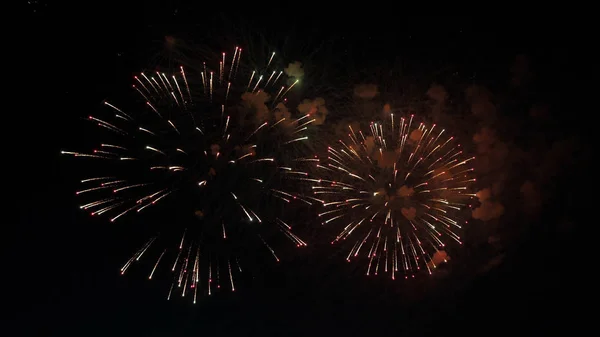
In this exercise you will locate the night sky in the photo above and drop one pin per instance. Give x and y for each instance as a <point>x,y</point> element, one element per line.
<point>65,265</point>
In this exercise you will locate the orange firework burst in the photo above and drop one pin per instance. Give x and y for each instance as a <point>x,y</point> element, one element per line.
<point>400,191</point>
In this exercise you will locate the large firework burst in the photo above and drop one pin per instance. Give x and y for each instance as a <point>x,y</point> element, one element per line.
<point>195,142</point>
<point>399,191</point>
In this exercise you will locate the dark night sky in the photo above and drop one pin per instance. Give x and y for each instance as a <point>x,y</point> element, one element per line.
<point>66,264</point>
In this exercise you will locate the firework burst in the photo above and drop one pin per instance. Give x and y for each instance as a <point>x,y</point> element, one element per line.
<point>211,143</point>
<point>400,192</point>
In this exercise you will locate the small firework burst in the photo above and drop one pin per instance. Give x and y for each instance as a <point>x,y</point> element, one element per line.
<point>400,192</point>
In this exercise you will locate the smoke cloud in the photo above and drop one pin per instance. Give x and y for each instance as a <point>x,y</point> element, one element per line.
<point>366,91</point>
<point>256,102</point>
<point>437,94</point>
<point>370,144</point>
<point>480,100</point>
<point>409,213</point>
<point>491,153</point>
<point>415,135</point>
<point>489,208</point>
<point>387,109</point>
<point>214,149</point>
<point>405,191</point>
<point>385,158</point>
<point>438,258</point>
<point>315,108</point>
<point>294,70</point>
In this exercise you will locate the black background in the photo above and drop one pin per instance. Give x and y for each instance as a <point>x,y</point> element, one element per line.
<point>64,265</point>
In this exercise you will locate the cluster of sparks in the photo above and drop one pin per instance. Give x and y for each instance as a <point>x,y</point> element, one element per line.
<point>174,145</point>
<point>400,192</point>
